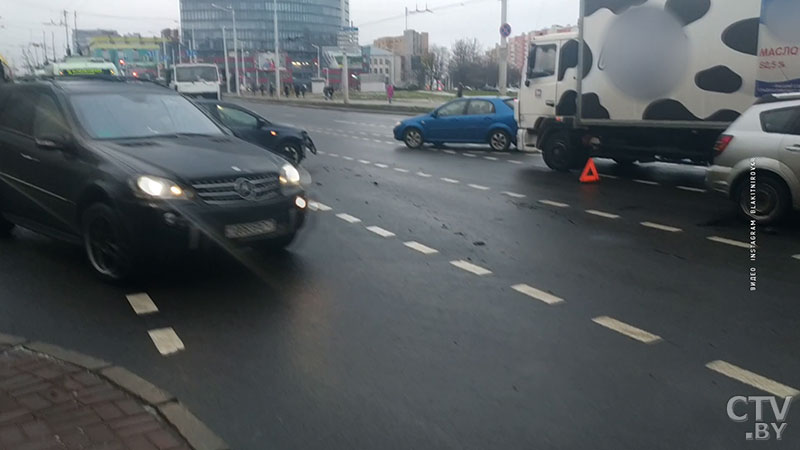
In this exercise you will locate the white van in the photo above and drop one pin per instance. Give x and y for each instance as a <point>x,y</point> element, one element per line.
<point>195,80</point>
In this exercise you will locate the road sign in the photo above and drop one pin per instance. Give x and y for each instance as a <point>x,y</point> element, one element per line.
<point>505,30</point>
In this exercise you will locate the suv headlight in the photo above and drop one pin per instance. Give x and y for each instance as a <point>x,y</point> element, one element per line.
<point>156,187</point>
<point>290,176</point>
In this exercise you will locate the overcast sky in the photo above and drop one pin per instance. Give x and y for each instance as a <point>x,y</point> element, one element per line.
<point>21,20</point>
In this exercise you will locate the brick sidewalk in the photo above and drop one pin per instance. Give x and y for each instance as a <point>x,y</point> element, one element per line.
<point>48,404</point>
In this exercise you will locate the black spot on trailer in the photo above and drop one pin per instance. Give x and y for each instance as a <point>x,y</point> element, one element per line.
<point>742,36</point>
<point>569,58</point>
<point>568,104</point>
<point>724,115</point>
<point>616,6</point>
<point>668,109</point>
<point>688,11</point>
<point>718,79</point>
<point>592,109</point>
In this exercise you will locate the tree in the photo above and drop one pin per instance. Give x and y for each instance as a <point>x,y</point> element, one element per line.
<point>435,63</point>
<point>465,62</point>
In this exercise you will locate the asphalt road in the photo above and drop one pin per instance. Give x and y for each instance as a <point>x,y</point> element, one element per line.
<point>497,305</point>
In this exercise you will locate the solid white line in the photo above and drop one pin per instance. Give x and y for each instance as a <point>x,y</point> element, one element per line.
<point>401,170</point>
<point>472,268</point>
<point>450,152</point>
<point>449,180</point>
<point>651,183</point>
<point>364,161</point>
<point>594,212</point>
<point>514,194</point>
<point>658,226</point>
<point>424,175</point>
<point>628,330</point>
<point>380,231</point>
<point>348,218</point>
<point>142,304</point>
<point>530,291</point>
<point>166,341</point>
<point>317,206</point>
<point>424,249</point>
<point>723,240</point>
<point>478,187</point>
<point>348,158</point>
<point>691,189</point>
<point>490,158</point>
<point>752,379</point>
<point>552,203</point>
<point>382,166</point>
<point>514,161</point>
<point>612,177</point>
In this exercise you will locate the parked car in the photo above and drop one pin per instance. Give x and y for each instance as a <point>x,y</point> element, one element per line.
<point>466,120</point>
<point>131,169</point>
<point>757,160</point>
<point>286,141</point>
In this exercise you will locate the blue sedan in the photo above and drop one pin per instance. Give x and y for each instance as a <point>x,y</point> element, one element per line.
<point>475,120</point>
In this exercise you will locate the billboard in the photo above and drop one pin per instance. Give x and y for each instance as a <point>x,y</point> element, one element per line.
<point>779,48</point>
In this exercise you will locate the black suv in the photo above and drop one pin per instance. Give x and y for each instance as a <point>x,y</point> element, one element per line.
<point>131,169</point>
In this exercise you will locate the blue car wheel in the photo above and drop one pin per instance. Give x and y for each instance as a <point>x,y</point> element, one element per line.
<point>413,138</point>
<point>499,140</point>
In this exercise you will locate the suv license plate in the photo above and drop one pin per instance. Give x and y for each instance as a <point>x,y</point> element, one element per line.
<point>246,230</point>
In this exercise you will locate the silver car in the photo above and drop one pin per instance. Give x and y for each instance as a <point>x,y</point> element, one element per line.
<point>757,160</point>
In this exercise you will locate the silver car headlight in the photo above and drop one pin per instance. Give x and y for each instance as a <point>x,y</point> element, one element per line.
<point>290,176</point>
<point>157,187</point>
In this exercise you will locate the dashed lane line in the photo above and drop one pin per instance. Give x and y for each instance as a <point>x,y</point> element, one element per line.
<point>514,161</point>
<point>142,304</point>
<point>797,257</point>
<point>424,249</point>
<point>479,187</point>
<point>166,341</point>
<point>731,242</point>
<point>333,155</point>
<point>472,268</point>
<point>348,218</point>
<point>648,182</point>
<point>542,296</point>
<point>424,175</point>
<point>381,232</point>
<point>347,158</point>
<point>658,226</point>
<point>692,189</point>
<point>321,152</point>
<point>595,212</point>
<point>400,169</point>
<point>450,152</point>
<point>382,166</point>
<point>611,177</point>
<point>626,329</point>
<point>752,379</point>
<point>552,203</point>
<point>450,180</point>
<point>364,161</point>
<point>490,158</point>
<point>317,206</point>
<point>377,141</point>
<point>513,194</point>
<point>469,155</point>
<point>389,142</point>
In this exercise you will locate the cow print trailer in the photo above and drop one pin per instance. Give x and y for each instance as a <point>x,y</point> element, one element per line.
<point>664,60</point>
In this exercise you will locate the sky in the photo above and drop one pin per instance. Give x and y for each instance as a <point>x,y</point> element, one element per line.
<point>22,21</point>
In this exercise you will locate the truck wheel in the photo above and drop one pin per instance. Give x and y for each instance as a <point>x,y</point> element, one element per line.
<point>5,227</point>
<point>413,138</point>
<point>499,141</point>
<point>106,243</point>
<point>558,152</point>
<point>772,198</point>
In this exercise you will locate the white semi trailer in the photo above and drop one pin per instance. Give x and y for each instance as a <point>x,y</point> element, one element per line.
<point>655,79</point>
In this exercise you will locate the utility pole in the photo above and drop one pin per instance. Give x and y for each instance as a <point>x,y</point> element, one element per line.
<point>194,47</point>
<point>66,33</point>
<point>277,49</point>
<point>345,63</point>
<point>75,48</point>
<point>235,54</point>
<point>44,46</point>
<point>53,42</point>
<point>319,61</point>
<point>225,53</point>
<point>503,56</point>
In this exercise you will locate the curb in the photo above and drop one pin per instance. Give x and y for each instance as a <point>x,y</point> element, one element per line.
<point>400,110</point>
<point>196,433</point>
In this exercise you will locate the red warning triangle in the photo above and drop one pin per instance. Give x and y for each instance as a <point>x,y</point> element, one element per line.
<point>589,174</point>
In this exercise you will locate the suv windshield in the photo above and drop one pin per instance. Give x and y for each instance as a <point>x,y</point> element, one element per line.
<point>136,115</point>
<point>197,73</point>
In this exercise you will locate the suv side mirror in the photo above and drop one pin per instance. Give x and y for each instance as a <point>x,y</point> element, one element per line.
<point>435,114</point>
<point>53,142</point>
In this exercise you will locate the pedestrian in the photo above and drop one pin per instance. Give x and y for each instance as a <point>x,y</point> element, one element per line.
<point>286,90</point>
<point>389,92</point>
<point>271,90</point>
<point>303,90</point>
<point>460,90</point>
<point>261,88</point>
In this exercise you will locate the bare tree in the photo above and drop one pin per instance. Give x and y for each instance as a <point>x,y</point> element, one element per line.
<point>465,62</point>
<point>435,63</point>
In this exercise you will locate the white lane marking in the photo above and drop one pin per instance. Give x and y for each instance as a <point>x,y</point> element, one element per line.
<point>691,189</point>
<point>531,291</point>
<point>401,170</point>
<point>166,341</point>
<point>424,249</point>
<point>424,175</point>
<point>382,166</point>
<point>317,206</point>
<point>320,152</point>
<point>595,212</point>
<point>348,158</point>
<point>472,268</point>
<point>612,177</point>
<point>364,161</point>
<point>333,155</point>
<point>469,155</point>
<point>752,379</point>
<point>389,142</point>
<point>142,304</point>
<point>514,161</point>
<point>449,180</point>
<point>552,203</point>
<point>348,218</point>
<point>514,194</point>
<point>450,152</point>
<point>796,257</point>
<point>648,182</point>
<point>490,158</point>
<point>628,330</point>
<point>380,231</point>
<point>658,226</point>
<point>723,240</point>
<point>377,141</point>
<point>478,187</point>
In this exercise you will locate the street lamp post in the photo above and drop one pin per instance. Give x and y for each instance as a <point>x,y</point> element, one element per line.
<point>277,49</point>
<point>225,53</point>
<point>319,60</point>
<point>503,56</point>
<point>235,44</point>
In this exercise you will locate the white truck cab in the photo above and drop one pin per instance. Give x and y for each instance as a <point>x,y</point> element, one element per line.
<point>195,80</point>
